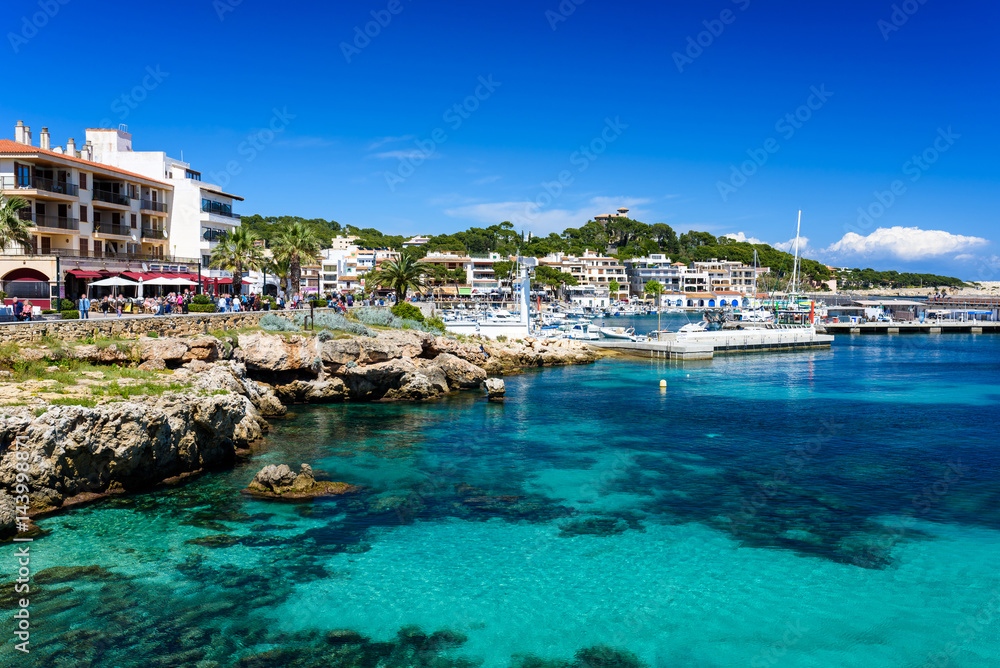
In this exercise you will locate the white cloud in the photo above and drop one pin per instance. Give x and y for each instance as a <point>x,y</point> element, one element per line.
<point>527,215</point>
<point>486,179</point>
<point>739,236</point>
<point>789,246</point>
<point>406,154</point>
<point>382,141</point>
<point>904,243</point>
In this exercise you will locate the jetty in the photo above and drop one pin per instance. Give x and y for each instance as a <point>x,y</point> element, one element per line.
<point>669,346</point>
<point>912,327</point>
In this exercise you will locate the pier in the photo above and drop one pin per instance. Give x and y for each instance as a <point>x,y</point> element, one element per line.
<point>913,327</point>
<point>705,349</point>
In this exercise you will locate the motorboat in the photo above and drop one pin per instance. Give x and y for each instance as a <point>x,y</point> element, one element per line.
<point>579,331</point>
<point>627,333</point>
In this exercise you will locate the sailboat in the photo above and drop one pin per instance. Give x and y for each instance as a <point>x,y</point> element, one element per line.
<point>756,312</point>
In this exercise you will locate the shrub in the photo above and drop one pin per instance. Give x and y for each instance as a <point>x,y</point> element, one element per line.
<point>435,324</point>
<point>66,305</point>
<point>376,317</point>
<point>201,308</point>
<point>49,311</point>
<point>70,314</point>
<point>318,303</point>
<point>327,320</point>
<point>275,323</point>
<point>407,311</point>
<point>201,299</point>
<point>152,335</point>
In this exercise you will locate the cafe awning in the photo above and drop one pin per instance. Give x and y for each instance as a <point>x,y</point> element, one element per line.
<point>465,291</point>
<point>80,273</point>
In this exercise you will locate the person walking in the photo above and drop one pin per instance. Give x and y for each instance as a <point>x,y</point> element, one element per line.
<point>84,306</point>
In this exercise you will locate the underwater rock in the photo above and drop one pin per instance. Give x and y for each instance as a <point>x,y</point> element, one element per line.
<point>217,541</point>
<point>594,526</point>
<point>69,573</point>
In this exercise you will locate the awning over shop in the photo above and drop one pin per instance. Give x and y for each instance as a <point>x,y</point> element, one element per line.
<point>465,291</point>
<point>80,273</point>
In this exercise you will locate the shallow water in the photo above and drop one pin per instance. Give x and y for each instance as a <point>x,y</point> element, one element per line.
<point>831,508</point>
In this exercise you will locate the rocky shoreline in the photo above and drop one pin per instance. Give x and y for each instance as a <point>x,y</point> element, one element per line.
<point>78,453</point>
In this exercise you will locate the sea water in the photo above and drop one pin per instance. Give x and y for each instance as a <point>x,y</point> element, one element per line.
<point>822,508</point>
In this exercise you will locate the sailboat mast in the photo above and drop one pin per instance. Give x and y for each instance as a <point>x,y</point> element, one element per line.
<point>795,262</point>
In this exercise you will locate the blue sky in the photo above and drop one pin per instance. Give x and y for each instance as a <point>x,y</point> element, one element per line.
<point>679,111</point>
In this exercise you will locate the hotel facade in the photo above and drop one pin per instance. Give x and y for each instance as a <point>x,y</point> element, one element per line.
<point>101,209</point>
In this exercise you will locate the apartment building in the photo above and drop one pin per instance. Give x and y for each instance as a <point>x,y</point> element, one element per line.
<point>730,274</point>
<point>201,214</point>
<point>480,278</point>
<point>90,219</point>
<point>343,270</point>
<point>593,269</point>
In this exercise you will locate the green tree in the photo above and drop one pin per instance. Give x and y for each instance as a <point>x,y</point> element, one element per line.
<point>14,230</point>
<point>401,275</point>
<point>237,253</point>
<point>551,277</point>
<point>504,271</point>
<point>298,244</point>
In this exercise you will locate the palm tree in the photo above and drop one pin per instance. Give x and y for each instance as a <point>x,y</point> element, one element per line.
<point>280,268</point>
<point>295,243</point>
<point>401,275</point>
<point>237,253</point>
<point>14,230</point>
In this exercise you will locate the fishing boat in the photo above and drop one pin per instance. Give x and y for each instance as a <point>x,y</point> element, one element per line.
<point>579,331</point>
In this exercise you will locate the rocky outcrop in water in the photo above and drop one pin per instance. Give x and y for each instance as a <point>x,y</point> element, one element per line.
<point>76,453</point>
<point>279,482</point>
<point>402,365</point>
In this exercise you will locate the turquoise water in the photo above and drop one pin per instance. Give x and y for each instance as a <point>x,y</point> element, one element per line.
<point>832,508</point>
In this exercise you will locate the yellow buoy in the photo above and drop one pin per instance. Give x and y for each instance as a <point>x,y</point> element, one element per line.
<point>663,383</point>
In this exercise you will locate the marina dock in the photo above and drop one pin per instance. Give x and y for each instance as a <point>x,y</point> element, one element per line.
<point>670,347</point>
<point>912,327</point>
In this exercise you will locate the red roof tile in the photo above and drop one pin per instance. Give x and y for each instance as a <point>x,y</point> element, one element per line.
<point>8,146</point>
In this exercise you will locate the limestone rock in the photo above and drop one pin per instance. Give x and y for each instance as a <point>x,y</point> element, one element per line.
<point>272,477</point>
<point>8,515</point>
<point>153,365</point>
<point>170,350</point>
<point>273,353</point>
<point>127,445</point>
<point>461,374</point>
<point>278,482</point>
<point>204,348</point>
<point>495,389</point>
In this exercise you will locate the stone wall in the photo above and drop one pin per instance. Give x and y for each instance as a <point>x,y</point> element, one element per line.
<point>132,327</point>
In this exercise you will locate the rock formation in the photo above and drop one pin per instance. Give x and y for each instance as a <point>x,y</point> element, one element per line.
<point>278,482</point>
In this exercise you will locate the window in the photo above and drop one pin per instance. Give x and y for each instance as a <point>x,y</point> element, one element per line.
<point>23,175</point>
<point>133,221</point>
<point>83,214</point>
<point>84,246</point>
<point>191,174</point>
<point>83,181</point>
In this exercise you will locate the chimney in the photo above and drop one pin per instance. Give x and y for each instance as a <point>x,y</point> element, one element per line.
<point>44,139</point>
<point>71,147</point>
<point>19,132</point>
<point>27,135</point>
<point>88,151</point>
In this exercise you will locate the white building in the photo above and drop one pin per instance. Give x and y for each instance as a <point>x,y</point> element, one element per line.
<point>200,213</point>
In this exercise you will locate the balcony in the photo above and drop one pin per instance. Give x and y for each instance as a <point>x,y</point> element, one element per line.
<point>153,233</point>
<point>219,210</point>
<point>56,222</point>
<point>210,234</point>
<point>111,198</point>
<point>40,183</point>
<point>102,255</point>
<point>150,205</point>
<point>111,228</point>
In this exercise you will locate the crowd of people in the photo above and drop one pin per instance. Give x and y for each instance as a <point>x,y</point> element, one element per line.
<point>179,302</point>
